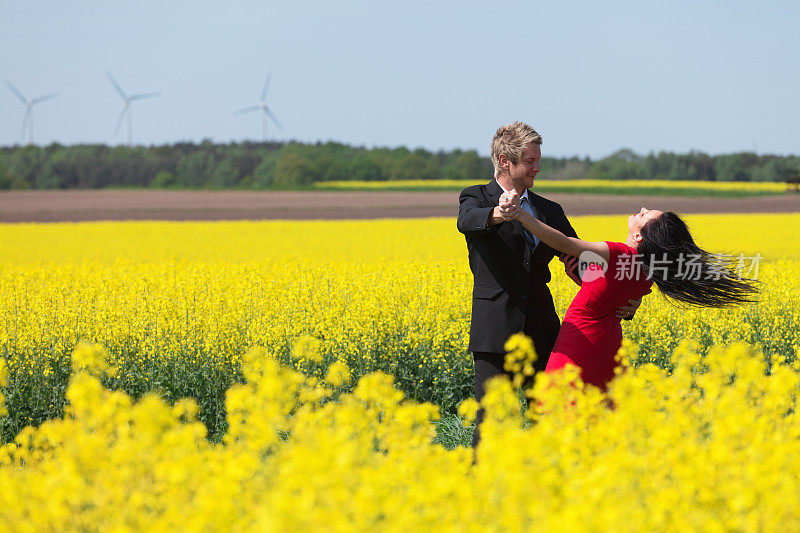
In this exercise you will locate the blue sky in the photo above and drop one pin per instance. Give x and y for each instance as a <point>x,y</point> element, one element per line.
<point>591,77</point>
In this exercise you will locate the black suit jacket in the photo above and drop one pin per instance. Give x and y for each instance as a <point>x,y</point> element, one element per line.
<point>507,274</point>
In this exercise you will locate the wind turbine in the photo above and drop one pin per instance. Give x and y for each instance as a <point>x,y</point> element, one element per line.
<point>262,106</point>
<point>27,124</point>
<point>126,106</point>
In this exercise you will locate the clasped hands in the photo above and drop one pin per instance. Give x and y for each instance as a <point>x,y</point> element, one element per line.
<point>509,208</point>
<point>510,205</point>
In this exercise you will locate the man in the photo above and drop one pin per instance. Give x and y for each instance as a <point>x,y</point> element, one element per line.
<point>509,265</point>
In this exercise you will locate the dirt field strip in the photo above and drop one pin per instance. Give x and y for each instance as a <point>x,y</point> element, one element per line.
<point>89,205</point>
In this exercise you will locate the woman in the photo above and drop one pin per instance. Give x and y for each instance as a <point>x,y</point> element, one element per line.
<point>658,249</point>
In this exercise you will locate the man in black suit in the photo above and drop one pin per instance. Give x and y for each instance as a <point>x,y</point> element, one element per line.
<point>509,264</point>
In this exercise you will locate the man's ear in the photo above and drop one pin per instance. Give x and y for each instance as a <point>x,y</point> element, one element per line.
<point>504,162</point>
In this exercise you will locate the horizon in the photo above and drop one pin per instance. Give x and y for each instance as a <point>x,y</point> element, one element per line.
<point>410,148</point>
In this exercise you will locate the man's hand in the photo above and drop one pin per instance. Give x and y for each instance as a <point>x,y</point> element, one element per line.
<point>510,205</point>
<point>511,197</point>
<point>506,210</point>
<point>628,311</point>
<point>571,267</point>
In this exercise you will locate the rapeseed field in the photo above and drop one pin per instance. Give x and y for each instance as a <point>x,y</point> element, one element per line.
<point>284,375</point>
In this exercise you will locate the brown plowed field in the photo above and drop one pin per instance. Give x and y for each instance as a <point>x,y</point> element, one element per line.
<point>84,205</point>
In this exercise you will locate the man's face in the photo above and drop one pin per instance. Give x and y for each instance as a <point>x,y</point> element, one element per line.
<point>523,172</point>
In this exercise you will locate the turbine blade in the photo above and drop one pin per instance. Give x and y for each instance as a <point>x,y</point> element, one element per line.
<point>266,86</point>
<point>121,118</point>
<point>15,91</point>
<point>116,85</point>
<point>44,98</point>
<point>246,110</point>
<point>274,118</point>
<point>143,96</point>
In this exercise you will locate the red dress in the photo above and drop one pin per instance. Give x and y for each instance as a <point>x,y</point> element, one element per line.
<point>591,333</point>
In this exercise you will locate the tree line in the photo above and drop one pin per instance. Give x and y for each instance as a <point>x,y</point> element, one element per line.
<point>296,165</point>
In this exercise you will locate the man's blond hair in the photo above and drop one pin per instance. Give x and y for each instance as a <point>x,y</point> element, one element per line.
<point>511,140</point>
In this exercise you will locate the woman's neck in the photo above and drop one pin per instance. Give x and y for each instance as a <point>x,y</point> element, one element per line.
<point>630,241</point>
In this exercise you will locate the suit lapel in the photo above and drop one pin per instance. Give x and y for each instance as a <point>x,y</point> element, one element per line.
<point>494,190</point>
<point>538,205</point>
<point>542,214</point>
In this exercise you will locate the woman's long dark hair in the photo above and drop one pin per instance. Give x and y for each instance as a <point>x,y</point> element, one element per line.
<point>685,272</point>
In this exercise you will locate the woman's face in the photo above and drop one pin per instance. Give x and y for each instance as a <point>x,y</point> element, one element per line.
<point>636,221</point>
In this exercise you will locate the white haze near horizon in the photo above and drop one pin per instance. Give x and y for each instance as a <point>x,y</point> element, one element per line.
<point>591,77</point>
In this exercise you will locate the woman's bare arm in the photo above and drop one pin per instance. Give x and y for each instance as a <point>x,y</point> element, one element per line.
<point>511,209</point>
<point>558,241</point>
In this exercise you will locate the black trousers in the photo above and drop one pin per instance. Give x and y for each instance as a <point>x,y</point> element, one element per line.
<point>542,326</point>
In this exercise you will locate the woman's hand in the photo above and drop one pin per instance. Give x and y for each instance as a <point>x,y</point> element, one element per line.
<point>510,205</point>
<point>510,197</point>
